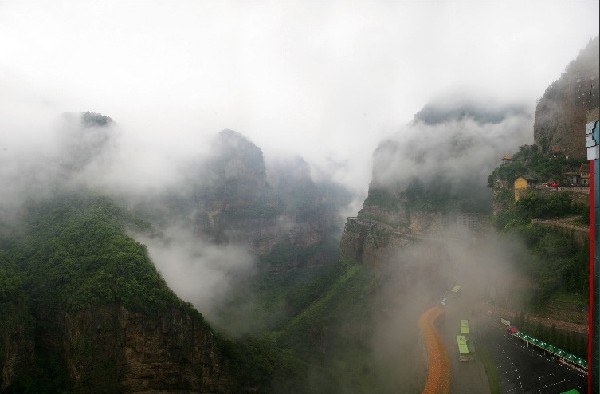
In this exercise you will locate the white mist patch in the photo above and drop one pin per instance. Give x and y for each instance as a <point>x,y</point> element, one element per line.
<point>204,274</point>
<point>458,149</point>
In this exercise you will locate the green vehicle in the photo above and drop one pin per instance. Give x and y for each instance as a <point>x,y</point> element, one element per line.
<point>464,327</point>
<point>463,350</point>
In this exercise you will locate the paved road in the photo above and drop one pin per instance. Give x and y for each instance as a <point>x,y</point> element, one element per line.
<point>525,369</point>
<point>467,377</point>
<point>521,369</point>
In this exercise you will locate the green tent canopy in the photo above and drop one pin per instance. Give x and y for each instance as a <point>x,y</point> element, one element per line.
<point>553,349</point>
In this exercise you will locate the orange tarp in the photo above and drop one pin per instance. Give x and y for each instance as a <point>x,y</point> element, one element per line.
<point>438,374</point>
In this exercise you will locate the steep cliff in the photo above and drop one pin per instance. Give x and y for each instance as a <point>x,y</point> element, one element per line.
<point>371,242</point>
<point>110,348</point>
<point>237,199</point>
<point>552,221</point>
<point>560,115</point>
<point>232,197</point>
<point>16,325</point>
<point>83,309</point>
<point>430,177</point>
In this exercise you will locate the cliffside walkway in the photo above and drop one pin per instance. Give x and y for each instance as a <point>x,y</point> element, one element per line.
<point>564,223</point>
<point>573,189</point>
<point>404,234</point>
<point>438,374</point>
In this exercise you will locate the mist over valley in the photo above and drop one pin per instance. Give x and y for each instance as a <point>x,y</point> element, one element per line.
<point>295,198</point>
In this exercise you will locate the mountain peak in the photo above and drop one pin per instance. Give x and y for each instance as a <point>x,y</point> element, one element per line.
<point>95,119</point>
<point>480,111</point>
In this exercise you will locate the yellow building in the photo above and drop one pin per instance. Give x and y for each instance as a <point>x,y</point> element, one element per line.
<point>506,159</point>
<point>521,184</point>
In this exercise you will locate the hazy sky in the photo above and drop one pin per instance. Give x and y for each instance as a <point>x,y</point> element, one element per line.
<point>324,79</point>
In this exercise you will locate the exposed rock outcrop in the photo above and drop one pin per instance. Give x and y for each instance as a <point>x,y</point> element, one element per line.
<point>83,309</point>
<point>119,350</point>
<point>560,115</point>
<point>239,204</point>
<point>111,349</point>
<point>16,343</point>
<point>369,241</point>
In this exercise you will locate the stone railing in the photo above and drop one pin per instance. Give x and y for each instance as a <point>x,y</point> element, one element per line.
<point>557,223</point>
<point>575,189</point>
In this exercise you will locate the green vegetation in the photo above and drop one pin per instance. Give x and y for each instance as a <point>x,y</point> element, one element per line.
<point>322,342</point>
<point>572,342</point>
<point>316,308</point>
<point>558,260</point>
<point>72,255</point>
<point>381,198</point>
<point>10,280</point>
<point>537,205</point>
<point>377,237</point>
<point>445,195</point>
<point>557,264</point>
<point>532,162</point>
<point>438,194</point>
<point>318,326</point>
<point>299,288</point>
<point>259,365</point>
<point>557,204</point>
<point>67,255</point>
<point>76,254</point>
<point>333,339</point>
<point>284,287</point>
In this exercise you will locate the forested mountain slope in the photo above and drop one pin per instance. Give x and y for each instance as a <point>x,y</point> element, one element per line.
<point>84,309</point>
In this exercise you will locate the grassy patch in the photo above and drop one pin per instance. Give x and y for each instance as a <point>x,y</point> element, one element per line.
<point>576,299</point>
<point>319,304</point>
<point>490,370</point>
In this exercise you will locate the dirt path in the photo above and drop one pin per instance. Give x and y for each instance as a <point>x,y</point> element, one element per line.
<point>438,375</point>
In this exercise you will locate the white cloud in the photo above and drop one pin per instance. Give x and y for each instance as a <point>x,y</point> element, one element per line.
<point>325,80</point>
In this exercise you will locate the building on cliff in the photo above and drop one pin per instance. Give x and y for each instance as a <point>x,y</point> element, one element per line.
<point>579,178</point>
<point>521,184</point>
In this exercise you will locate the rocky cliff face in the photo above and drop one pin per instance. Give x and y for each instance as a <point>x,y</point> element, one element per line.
<point>111,349</point>
<point>240,204</point>
<point>119,350</point>
<point>370,240</point>
<point>16,326</point>
<point>83,309</point>
<point>16,344</point>
<point>560,115</point>
<point>422,186</point>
